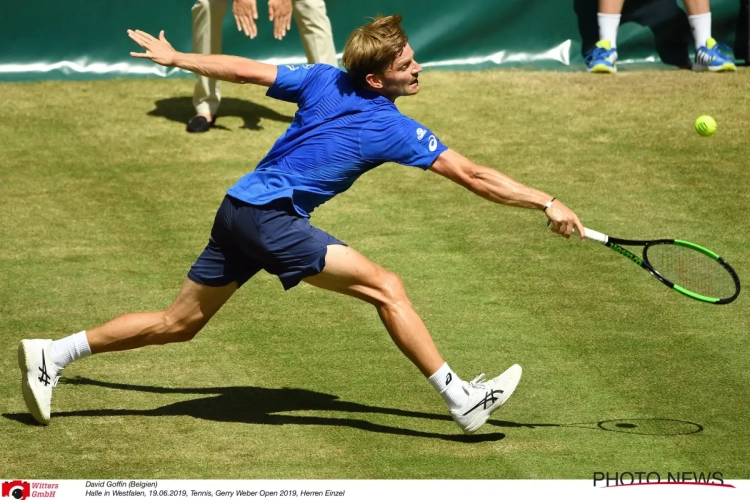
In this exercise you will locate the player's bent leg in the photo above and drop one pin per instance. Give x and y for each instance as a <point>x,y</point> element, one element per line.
<point>193,307</point>
<point>349,272</point>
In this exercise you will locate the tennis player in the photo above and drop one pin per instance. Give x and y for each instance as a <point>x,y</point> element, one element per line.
<point>346,124</point>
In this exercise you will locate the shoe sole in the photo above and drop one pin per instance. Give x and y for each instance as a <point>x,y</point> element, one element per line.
<point>481,418</point>
<point>602,69</point>
<point>720,69</point>
<point>724,67</point>
<point>28,394</point>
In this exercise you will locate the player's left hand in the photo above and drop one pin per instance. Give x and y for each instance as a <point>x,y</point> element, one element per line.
<point>159,50</point>
<point>280,12</point>
<point>563,220</point>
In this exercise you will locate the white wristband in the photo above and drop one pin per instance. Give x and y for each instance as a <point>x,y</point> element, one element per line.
<point>549,204</point>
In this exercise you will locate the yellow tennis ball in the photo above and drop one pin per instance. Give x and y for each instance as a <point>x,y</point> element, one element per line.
<point>705,125</point>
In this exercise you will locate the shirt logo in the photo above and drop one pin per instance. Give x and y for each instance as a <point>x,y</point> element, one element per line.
<point>420,133</point>
<point>294,67</point>
<point>433,143</point>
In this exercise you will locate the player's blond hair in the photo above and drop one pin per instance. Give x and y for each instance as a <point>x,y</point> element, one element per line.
<point>371,48</point>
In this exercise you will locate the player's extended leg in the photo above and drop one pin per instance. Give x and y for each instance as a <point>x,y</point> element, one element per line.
<point>349,272</point>
<point>471,403</point>
<point>40,366</point>
<point>192,308</point>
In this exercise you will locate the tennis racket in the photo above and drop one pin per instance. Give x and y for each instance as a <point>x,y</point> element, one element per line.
<point>688,268</point>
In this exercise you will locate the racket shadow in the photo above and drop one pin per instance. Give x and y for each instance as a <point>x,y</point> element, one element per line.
<point>639,426</point>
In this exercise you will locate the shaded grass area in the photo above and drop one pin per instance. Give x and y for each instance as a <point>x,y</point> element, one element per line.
<point>105,202</point>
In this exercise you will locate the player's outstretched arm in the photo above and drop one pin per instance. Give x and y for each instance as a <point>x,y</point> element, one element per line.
<point>228,68</point>
<point>498,187</point>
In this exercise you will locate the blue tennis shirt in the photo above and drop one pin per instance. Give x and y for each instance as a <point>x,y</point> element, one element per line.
<point>339,132</point>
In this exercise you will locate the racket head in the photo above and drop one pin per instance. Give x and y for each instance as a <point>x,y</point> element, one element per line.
<point>692,270</point>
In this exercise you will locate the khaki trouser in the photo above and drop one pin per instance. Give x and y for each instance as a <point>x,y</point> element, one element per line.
<point>208,18</point>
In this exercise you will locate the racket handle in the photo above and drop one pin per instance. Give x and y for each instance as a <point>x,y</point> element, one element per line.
<point>595,235</point>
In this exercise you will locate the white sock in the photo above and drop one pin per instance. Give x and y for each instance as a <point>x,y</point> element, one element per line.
<point>69,349</point>
<point>449,386</point>
<point>608,25</point>
<point>701,26</point>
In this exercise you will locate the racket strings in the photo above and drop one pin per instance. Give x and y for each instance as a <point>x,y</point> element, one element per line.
<point>691,270</point>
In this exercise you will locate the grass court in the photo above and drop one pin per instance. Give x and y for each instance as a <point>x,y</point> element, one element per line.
<point>105,202</point>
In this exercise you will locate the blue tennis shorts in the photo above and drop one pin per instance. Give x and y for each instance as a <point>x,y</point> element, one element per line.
<point>247,238</point>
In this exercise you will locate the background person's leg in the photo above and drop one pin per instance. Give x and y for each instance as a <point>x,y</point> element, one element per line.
<point>608,18</point>
<point>696,7</point>
<point>349,272</point>
<point>208,18</point>
<point>611,6</point>
<point>699,15</point>
<point>601,58</point>
<point>315,31</point>
<point>709,55</point>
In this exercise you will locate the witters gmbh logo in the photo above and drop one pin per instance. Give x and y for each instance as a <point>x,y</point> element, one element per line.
<point>19,490</point>
<point>641,478</point>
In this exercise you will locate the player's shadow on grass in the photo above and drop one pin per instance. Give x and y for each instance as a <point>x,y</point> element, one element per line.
<point>180,109</point>
<point>257,405</point>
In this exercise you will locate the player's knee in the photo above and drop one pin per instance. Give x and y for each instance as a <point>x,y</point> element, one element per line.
<point>392,289</point>
<point>181,329</point>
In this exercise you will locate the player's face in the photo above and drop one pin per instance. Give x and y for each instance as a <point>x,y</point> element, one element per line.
<point>402,77</point>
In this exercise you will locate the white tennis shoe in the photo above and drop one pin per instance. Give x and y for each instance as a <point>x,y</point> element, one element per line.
<point>485,397</point>
<point>39,374</point>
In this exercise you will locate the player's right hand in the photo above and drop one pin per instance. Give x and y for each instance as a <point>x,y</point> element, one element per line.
<point>158,50</point>
<point>563,220</point>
